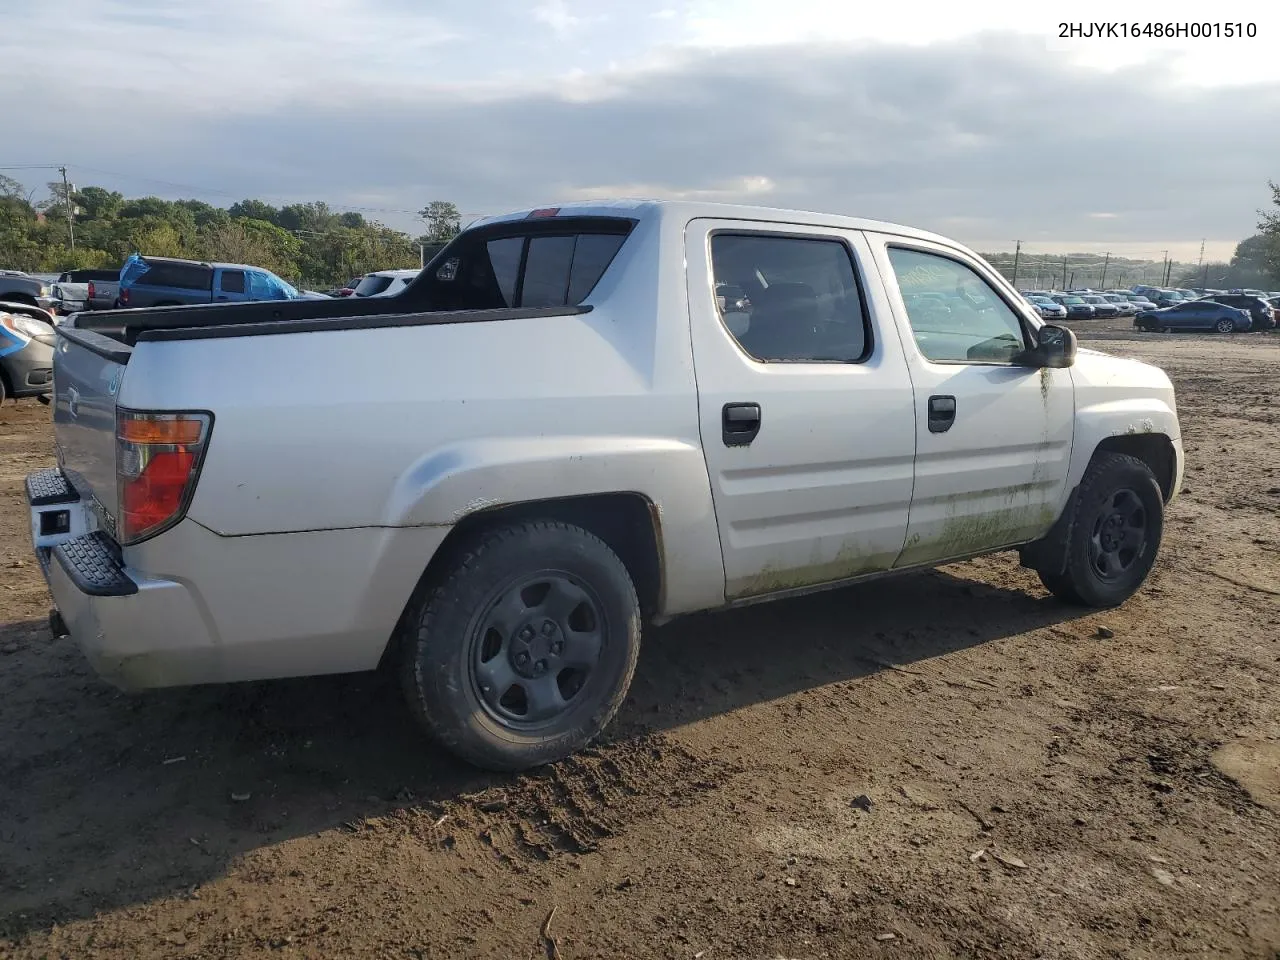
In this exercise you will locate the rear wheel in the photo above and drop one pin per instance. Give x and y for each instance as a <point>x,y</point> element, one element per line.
<point>1225,325</point>
<point>522,651</point>
<point>1115,535</point>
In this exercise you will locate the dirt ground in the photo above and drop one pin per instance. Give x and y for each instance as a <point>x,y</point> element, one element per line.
<point>813,778</point>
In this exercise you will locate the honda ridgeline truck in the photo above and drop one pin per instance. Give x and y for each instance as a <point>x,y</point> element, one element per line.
<point>559,432</point>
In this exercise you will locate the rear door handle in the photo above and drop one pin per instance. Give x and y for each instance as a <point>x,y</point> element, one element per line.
<point>739,423</point>
<point>942,413</point>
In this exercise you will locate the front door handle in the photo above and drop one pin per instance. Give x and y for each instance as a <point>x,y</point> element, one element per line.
<point>739,423</point>
<point>942,413</point>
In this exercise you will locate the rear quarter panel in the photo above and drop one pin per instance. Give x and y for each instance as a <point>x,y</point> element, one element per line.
<point>421,426</point>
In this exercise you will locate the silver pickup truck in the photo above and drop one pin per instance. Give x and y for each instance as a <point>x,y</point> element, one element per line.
<point>566,428</point>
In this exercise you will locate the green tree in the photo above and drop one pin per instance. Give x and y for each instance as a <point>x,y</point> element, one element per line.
<point>442,219</point>
<point>254,210</point>
<point>95,203</point>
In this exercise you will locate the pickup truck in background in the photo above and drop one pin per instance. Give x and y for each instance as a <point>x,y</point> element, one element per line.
<point>563,429</point>
<point>101,287</point>
<point>17,287</point>
<point>168,282</point>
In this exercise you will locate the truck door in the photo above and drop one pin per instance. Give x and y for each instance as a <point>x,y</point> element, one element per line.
<point>993,439</point>
<point>806,409</point>
<point>229,285</point>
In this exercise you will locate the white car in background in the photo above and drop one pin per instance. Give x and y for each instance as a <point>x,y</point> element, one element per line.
<point>384,283</point>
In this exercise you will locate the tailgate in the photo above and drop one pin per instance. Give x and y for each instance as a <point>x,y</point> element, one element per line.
<point>87,369</point>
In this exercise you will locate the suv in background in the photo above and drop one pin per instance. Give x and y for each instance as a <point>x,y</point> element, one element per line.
<point>1260,310</point>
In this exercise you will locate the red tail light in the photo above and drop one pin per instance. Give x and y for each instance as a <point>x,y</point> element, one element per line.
<point>158,459</point>
<point>124,297</point>
<point>92,292</point>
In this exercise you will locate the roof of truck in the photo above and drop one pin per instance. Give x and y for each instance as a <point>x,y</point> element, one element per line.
<point>211,264</point>
<point>692,210</point>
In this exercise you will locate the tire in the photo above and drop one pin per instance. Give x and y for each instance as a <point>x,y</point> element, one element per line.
<point>489,643</point>
<point>1225,325</point>
<point>3,388</point>
<point>1118,496</point>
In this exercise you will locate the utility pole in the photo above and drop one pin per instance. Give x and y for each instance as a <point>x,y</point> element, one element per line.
<point>1164,274</point>
<point>1073,279</point>
<point>66,198</point>
<point>1103,283</point>
<point>1064,271</point>
<point>1204,278</point>
<point>1017,250</point>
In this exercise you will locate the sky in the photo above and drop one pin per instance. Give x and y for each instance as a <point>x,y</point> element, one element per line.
<point>974,120</point>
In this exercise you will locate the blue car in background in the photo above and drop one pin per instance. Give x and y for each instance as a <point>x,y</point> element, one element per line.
<point>26,351</point>
<point>1194,315</point>
<point>169,282</point>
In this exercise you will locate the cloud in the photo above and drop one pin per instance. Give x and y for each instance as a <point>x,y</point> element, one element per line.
<point>556,15</point>
<point>985,138</point>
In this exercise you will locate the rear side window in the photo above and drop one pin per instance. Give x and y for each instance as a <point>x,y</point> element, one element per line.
<point>372,285</point>
<point>789,298</point>
<point>548,267</point>
<point>232,281</point>
<point>185,276</point>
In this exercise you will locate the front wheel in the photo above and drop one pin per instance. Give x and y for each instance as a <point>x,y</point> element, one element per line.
<point>1225,326</point>
<point>1115,535</point>
<point>523,649</point>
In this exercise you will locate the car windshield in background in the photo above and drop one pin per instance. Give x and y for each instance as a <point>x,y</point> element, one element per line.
<point>372,285</point>
<point>1073,300</point>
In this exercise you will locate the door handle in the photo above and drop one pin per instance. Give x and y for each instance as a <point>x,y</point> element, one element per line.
<point>739,423</point>
<point>942,413</point>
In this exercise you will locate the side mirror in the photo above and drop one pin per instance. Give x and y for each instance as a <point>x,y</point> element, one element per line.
<point>1055,348</point>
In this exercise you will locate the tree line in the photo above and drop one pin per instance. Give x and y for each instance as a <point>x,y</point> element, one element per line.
<point>313,246</point>
<point>308,244</point>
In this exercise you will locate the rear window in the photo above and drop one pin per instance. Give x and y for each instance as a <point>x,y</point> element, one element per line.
<point>547,265</point>
<point>372,285</point>
<point>186,276</point>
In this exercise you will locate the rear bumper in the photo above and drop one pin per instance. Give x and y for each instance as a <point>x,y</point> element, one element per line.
<point>136,631</point>
<point>192,607</point>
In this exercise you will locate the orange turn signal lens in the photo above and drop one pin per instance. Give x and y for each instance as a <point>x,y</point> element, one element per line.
<point>157,429</point>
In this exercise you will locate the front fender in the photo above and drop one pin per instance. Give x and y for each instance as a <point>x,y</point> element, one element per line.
<point>463,478</point>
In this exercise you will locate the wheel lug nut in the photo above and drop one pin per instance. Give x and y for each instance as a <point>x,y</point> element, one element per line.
<point>526,634</point>
<point>557,647</point>
<point>548,628</point>
<point>540,667</point>
<point>522,659</point>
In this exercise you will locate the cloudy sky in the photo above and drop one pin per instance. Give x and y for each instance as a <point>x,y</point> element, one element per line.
<point>974,120</point>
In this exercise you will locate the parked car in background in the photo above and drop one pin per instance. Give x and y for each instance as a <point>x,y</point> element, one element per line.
<point>18,287</point>
<point>168,282</point>
<point>1122,304</point>
<point>1102,307</point>
<point>67,298</point>
<point>1047,308</point>
<point>1077,309</point>
<point>1168,298</point>
<point>1259,309</point>
<point>349,288</point>
<point>27,339</point>
<point>385,283</point>
<point>551,439</point>
<point>102,286</point>
<point>1194,315</point>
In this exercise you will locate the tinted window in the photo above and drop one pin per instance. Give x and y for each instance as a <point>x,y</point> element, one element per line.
<point>591,256</point>
<point>977,327</point>
<point>504,255</point>
<point>546,272</point>
<point>800,299</point>
<point>517,266</point>
<point>187,276</point>
<point>371,285</point>
<point>232,281</point>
